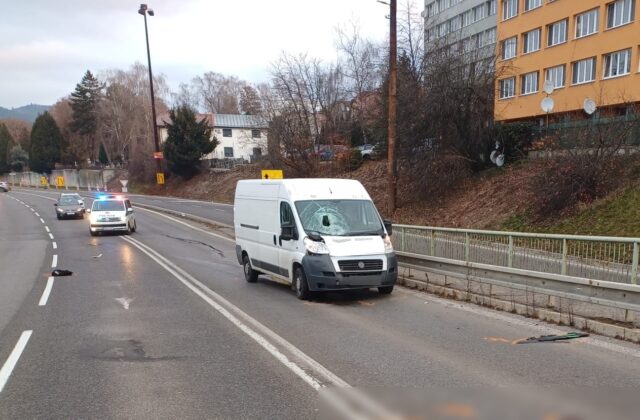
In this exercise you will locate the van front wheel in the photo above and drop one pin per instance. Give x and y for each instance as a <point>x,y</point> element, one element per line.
<point>385,290</point>
<point>249,273</point>
<point>300,285</point>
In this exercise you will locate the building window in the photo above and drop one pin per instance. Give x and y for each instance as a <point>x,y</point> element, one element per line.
<point>228,152</point>
<point>620,12</point>
<point>557,33</point>
<point>584,71</point>
<point>587,23</point>
<point>257,151</point>
<point>480,12</point>
<point>617,63</point>
<point>226,132</point>
<point>490,36</point>
<point>493,6</point>
<point>529,83</point>
<point>531,41</point>
<point>509,48</point>
<point>509,9</point>
<point>508,88</point>
<point>531,4</point>
<point>255,134</point>
<point>556,75</point>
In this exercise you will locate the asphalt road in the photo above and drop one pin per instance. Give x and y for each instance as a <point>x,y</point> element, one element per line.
<point>161,324</point>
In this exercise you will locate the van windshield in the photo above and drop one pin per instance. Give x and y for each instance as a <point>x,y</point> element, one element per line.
<point>340,217</point>
<point>108,205</point>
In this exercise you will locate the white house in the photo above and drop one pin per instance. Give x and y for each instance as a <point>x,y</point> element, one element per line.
<point>239,136</point>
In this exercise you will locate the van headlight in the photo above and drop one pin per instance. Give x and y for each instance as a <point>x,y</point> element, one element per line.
<point>314,247</point>
<point>388,246</point>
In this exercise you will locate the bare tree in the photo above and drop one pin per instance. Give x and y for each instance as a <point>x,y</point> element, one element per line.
<point>219,93</point>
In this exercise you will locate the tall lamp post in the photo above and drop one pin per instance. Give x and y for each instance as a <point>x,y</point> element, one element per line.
<point>393,76</point>
<point>144,11</point>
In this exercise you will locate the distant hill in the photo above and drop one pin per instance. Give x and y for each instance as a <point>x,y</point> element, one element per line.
<point>26,113</point>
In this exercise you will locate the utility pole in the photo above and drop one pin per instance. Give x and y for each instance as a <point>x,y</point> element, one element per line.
<point>144,10</point>
<point>393,75</point>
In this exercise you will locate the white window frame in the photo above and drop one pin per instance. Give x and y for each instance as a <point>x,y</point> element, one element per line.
<point>557,75</point>
<point>529,83</point>
<point>557,33</point>
<point>512,43</point>
<point>512,90</point>
<point>509,9</point>
<point>529,44</point>
<point>623,12</point>
<point>532,4</point>
<point>583,67</point>
<point>616,64</point>
<point>592,23</point>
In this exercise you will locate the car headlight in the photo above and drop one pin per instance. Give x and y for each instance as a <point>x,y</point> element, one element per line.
<point>80,209</point>
<point>388,246</point>
<point>314,247</point>
<point>59,210</point>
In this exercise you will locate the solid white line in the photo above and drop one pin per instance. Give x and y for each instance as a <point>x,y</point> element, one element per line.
<point>47,229</point>
<point>173,219</point>
<point>11,362</point>
<point>54,261</point>
<point>51,236</point>
<point>55,245</point>
<point>47,291</point>
<point>42,220</point>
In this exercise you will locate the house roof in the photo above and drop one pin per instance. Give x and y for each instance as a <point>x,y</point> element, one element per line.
<point>225,120</point>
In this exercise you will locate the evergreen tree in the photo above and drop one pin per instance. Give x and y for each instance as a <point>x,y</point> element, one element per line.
<point>85,100</point>
<point>47,144</point>
<point>102,155</point>
<point>187,142</point>
<point>250,101</point>
<point>18,158</point>
<point>6,141</point>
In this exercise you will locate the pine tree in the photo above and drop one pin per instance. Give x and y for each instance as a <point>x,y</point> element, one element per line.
<point>18,158</point>
<point>250,101</point>
<point>85,100</point>
<point>47,144</point>
<point>102,155</point>
<point>6,141</point>
<point>187,142</point>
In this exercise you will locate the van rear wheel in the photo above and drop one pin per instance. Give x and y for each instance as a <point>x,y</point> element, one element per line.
<point>250,274</point>
<point>300,285</point>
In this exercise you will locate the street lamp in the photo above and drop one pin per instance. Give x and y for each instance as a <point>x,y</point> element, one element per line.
<point>144,11</point>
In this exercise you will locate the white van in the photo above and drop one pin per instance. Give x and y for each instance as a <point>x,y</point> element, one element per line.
<point>316,234</point>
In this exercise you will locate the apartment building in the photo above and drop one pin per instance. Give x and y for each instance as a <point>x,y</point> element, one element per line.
<point>588,49</point>
<point>470,24</point>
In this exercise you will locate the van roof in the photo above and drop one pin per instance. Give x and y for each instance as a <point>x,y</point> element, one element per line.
<point>306,188</point>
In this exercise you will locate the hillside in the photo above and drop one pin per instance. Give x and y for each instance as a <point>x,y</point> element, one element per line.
<point>27,113</point>
<point>498,198</point>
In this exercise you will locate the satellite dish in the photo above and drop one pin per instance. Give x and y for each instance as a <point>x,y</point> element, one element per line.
<point>548,87</point>
<point>590,106</point>
<point>493,156</point>
<point>500,160</point>
<point>547,105</point>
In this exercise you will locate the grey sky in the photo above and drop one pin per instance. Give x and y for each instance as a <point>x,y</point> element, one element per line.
<point>46,45</point>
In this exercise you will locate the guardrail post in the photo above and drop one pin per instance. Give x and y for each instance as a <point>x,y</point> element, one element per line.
<point>563,270</point>
<point>634,264</point>
<point>402,240</point>
<point>466,247</point>
<point>510,256</point>
<point>433,243</point>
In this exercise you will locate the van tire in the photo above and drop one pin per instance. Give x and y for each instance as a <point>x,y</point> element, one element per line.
<point>250,275</point>
<point>300,285</point>
<point>385,290</point>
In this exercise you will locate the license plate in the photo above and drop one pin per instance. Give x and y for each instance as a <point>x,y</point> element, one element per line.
<point>70,213</point>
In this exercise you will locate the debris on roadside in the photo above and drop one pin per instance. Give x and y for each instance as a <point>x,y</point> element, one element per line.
<point>553,338</point>
<point>59,273</point>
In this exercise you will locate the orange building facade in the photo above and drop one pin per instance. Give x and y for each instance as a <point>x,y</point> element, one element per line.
<point>585,48</point>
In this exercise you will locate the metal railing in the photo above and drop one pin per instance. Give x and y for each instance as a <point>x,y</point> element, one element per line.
<point>611,259</point>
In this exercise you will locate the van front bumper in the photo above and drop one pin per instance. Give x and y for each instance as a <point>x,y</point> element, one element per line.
<point>322,275</point>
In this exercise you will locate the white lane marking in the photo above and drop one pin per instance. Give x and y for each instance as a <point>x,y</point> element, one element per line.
<point>47,229</point>
<point>35,195</point>
<point>124,301</point>
<point>37,214</point>
<point>54,261</point>
<point>42,220</point>
<point>47,291</point>
<point>11,362</point>
<point>33,210</point>
<point>173,219</point>
<point>224,307</point>
<point>55,245</point>
<point>51,236</point>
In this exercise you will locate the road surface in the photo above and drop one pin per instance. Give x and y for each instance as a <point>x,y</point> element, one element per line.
<point>161,324</point>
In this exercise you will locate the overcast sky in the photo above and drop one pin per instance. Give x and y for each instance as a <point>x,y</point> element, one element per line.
<point>47,45</point>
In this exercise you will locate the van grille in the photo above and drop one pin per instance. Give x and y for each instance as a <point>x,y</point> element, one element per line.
<point>360,265</point>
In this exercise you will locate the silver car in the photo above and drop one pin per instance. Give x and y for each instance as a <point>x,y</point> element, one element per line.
<point>68,205</point>
<point>4,187</point>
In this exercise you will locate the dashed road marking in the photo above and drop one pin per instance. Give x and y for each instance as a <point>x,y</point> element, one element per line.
<point>47,229</point>
<point>55,245</point>
<point>46,292</point>
<point>54,261</point>
<point>51,236</point>
<point>11,362</point>
<point>42,220</point>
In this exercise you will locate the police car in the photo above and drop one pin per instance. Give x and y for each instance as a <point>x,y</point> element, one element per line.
<point>111,213</point>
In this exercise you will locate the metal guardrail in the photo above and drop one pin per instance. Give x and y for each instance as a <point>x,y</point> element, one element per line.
<point>610,259</point>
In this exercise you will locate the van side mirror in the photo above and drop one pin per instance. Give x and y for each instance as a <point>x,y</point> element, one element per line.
<point>388,225</point>
<point>129,210</point>
<point>288,232</point>
<point>55,204</point>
